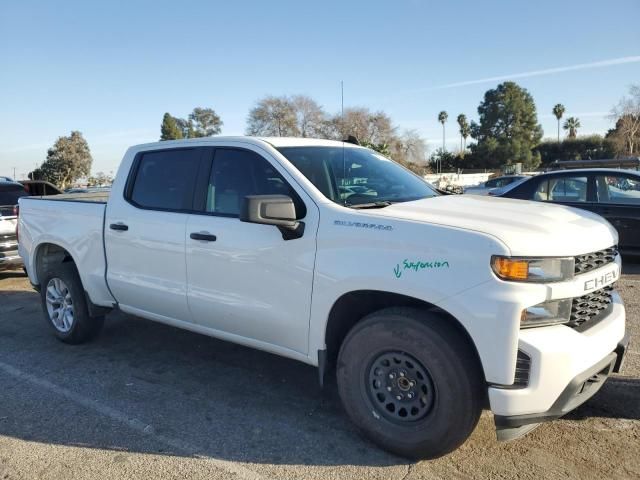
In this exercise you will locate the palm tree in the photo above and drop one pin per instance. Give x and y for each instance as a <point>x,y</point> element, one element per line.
<point>572,124</point>
<point>442,117</point>
<point>465,130</point>
<point>558,111</point>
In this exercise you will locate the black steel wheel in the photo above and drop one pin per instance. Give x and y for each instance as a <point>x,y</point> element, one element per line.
<point>400,387</point>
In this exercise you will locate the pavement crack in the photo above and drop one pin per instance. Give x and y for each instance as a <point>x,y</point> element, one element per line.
<point>408,472</point>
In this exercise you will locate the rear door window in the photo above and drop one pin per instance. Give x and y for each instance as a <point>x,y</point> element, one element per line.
<point>563,189</point>
<point>165,180</point>
<point>618,189</point>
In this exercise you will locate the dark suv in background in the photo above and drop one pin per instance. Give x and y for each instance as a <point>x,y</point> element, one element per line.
<point>612,193</point>
<point>10,192</point>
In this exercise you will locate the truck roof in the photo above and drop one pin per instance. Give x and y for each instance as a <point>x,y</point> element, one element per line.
<point>276,142</point>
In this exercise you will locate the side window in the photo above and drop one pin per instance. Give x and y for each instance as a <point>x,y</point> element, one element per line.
<point>568,189</point>
<point>165,180</point>
<point>238,173</point>
<point>618,189</point>
<point>491,183</point>
<point>562,189</point>
<point>542,192</point>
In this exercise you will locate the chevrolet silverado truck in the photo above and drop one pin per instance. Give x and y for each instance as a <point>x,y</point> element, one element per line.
<point>427,307</point>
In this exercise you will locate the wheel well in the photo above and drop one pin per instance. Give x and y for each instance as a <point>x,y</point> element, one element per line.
<point>352,307</point>
<point>49,254</point>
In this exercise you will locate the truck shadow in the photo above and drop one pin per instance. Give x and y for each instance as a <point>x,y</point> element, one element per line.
<point>149,388</point>
<point>618,398</point>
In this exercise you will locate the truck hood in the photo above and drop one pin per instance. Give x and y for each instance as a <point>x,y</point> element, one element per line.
<point>527,228</point>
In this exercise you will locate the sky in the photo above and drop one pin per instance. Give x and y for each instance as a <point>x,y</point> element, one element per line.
<point>112,68</point>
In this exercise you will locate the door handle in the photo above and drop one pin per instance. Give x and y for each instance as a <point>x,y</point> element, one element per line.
<point>207,237</point>
<point>119,226</point>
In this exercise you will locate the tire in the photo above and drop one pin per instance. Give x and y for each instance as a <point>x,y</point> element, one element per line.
<point>435,371</point>
<point>63,287</point>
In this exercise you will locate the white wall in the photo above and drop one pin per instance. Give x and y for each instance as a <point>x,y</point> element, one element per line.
<point>464,179</point>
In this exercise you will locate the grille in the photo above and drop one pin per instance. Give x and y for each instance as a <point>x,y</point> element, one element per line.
<point>523,368</point>
<point>591,307</point>
<point>591,261</point>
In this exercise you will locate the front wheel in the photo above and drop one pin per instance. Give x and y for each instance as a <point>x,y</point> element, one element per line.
<point>411,382</point>
<point>65,306</point>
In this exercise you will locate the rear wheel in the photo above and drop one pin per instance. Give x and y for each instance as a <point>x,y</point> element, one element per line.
<point>65,306</point>
<point>411,382</point>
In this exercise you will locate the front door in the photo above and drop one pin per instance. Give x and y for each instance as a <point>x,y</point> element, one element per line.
<point>244,279</point>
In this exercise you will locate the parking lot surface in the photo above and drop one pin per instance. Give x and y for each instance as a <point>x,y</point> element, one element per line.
<point>149,401</point>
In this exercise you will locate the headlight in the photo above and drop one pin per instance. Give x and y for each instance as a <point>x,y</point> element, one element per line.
<point>533,269</point>
<point>547,313</point>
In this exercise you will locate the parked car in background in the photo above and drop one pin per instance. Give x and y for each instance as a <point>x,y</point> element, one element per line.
<point>10,192</point>
<point>612,193</point>
<point>40,187</point>
<point>489,185</point>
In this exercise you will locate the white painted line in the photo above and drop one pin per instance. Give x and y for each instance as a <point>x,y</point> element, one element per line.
<point>132,423</point>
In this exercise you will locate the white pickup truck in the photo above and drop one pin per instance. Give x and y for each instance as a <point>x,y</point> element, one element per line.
<point>429,307</point>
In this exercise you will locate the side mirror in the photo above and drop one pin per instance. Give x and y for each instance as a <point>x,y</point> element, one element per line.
<point>277,210</point>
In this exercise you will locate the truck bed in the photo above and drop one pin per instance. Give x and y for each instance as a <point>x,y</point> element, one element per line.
<point>75,222</point>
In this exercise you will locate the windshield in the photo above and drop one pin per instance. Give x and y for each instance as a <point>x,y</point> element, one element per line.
<point>357,176</point>
<point>509,187</point>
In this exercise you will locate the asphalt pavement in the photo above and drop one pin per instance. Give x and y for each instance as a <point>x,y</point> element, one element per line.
<point>146,400</point>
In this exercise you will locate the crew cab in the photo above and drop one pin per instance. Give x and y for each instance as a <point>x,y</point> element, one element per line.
<point>428,307</point>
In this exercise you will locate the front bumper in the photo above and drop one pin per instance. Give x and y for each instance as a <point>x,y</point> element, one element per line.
<point>561,381</point>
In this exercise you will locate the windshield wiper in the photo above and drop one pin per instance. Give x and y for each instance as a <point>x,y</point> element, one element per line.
<point>359,206</point>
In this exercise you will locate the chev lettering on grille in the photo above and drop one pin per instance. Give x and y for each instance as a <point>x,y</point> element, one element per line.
<point>600,281</point>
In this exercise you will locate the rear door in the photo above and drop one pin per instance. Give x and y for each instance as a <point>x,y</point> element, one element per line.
<point>244,278</point>
<point>145,233</point>
<point>618,196</point>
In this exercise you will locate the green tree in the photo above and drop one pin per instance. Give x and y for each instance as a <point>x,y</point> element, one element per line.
<point>465,131</point>
<point>382,148</point>
<point>67,160</point>
<point>572,124</point>
<point>204,122</point>
<point>508,128</point>
<point>169,130</point>
<point>558,111</point>
<point>591,147</point>
<point>442,118</point>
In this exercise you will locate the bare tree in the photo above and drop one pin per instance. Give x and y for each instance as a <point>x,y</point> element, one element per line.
<point>368,127</point>
<point>409,148</point>
<point>310,117</point>
<point>273,116</point>
<point>626,114</point>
